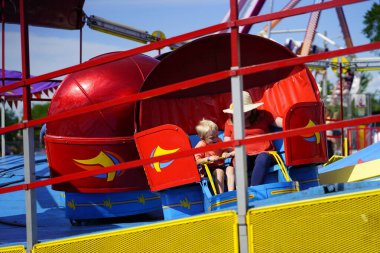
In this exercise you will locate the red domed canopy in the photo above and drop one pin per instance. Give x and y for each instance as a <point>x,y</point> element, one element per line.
<point>102,138</point>
<point>98,84</point>
<point>277,88</point>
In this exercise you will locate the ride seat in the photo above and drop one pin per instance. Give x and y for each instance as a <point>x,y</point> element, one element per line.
<point>164,140</point>
<point>274,173</point>
<point>276,169</point>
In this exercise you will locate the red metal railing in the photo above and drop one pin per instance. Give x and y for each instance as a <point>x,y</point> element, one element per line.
<point>361,137</point>
<point>187,84</point>
<point>233,24</point>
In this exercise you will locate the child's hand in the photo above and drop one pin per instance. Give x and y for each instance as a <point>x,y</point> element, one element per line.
<point>212,158</point>
<point>226,155</point>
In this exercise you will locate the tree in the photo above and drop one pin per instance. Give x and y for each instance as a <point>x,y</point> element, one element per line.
<point>39,111</point>
<point>372,23</point>
<point>375,102</point>
<point>329,87</point>
<point>13,140</point>
<point>365,79</point>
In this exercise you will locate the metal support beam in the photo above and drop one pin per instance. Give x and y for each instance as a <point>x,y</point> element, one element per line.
<point>344,26</point>
<point>30,194</point>
<point>341,104</point>
<point>310,31</point>
<point>252,10</point>
<point>28,135</point>
<point>2,126</point>
<point>274,23</point>
<point>269,22</point>
<point>239,126</point>
<point>3,75</point>
<point>241,161</point>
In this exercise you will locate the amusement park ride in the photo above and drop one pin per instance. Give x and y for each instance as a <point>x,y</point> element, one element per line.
<point>121,131</point>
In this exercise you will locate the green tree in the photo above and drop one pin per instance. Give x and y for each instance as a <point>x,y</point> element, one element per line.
<point>329,87</point>
<point>365,79</point>
<point>13,140</point>
<point>39,111</point>
<point>372,23</point>
<point>375,102</point>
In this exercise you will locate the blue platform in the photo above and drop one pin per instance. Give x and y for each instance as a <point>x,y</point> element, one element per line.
<point>52,222</point>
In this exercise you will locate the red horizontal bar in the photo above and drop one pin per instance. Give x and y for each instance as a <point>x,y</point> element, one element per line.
<point>12,128</point>
<point>197,82</point>
<point>137,163</point>
<point>114,57</point>
<point>135,97</point>
<point>205,79</point>
<point>308,58</point>
<point>295,11</point>
<point>178,39</point>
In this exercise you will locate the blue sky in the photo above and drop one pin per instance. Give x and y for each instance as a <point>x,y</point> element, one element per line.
<point>53,49</point>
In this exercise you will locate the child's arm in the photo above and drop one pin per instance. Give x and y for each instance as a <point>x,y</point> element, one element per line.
<point>200,157</point>
<point>201,160</point>
<point>227,154</point>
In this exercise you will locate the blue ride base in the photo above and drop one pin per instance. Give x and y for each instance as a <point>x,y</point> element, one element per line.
<point>182,201</point>
<point>85,206</point>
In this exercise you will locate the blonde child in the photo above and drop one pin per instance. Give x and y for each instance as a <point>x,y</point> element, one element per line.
<point>208,132</point>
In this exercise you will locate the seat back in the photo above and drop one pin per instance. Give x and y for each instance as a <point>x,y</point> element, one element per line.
<point>278,143</point>
<point>310,148</point>
<point>164,140</point>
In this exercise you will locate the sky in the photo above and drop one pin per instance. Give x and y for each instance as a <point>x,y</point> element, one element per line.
<point>52,49</point>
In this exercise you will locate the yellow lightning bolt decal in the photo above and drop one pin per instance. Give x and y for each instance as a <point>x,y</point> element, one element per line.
<point>185,203</point>
<point>317,134</point>
<point>141,199</point>
<point>107,203</point>
<point>71,204</point>
<point>160,151</point>
<point>101,159</point>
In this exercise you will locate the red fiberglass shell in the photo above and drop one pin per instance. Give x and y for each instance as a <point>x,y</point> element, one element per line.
<point>279,88</point>
<point>101,138</point>
<point>164,140</point>
<point>98,84</point>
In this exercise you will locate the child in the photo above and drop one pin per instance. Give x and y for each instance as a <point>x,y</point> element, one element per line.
<point>208,132</point>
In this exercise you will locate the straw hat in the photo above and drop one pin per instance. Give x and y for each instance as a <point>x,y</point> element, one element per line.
<point>247,104</point>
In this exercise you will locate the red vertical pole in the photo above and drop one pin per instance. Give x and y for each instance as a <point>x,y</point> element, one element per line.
<point>235,46</point>
<point>25,61</point>
<point>341,103</point>
<point>80,44</point>
<point>3,43</point>
<point>357,138</point>
<point>349,139</point>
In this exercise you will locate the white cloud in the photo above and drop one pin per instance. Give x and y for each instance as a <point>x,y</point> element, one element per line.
<point>49,53</point>
<point>374,85</point>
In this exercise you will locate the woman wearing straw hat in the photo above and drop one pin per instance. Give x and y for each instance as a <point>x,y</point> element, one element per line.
<point>256,122</point>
